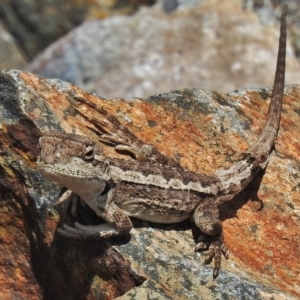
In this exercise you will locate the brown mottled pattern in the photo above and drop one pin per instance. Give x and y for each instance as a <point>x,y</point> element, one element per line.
<point>165,171</point>
<point>136,203</point>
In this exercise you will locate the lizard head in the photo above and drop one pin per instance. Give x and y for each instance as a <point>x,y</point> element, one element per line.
<point>73,161</point>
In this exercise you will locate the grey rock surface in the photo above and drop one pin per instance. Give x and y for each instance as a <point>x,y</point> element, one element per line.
<point>213,45</point>
<point>35,24</point>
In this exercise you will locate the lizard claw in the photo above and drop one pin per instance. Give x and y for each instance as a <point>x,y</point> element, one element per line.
<point>216,249</point>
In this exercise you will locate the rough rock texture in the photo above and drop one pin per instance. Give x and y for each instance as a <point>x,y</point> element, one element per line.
<point>203,131</point>
<point>214,45</point>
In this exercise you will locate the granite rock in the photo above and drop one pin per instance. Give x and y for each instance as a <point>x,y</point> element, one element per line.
<point>203,131</point>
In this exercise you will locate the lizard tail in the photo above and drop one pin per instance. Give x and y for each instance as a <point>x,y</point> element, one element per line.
<point>235,178</point>
<point>267,138</point>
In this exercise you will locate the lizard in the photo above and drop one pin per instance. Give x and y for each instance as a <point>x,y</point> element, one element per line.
<point>153,187</point>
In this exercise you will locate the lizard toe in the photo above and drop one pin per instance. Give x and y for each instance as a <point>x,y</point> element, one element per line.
<point>216,249</point>
<point>70,232</point>
<point>87,231</point>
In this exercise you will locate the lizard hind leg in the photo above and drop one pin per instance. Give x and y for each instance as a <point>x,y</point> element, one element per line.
<point>206,219</point>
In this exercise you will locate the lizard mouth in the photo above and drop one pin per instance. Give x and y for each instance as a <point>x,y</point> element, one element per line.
<point>84,182</point>
<point>82,177</point>
<point>56,170</point>
<point>72,172</point>
<point>74,167</point>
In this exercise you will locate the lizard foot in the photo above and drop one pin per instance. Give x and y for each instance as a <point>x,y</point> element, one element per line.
<point>216,248</point>
<point>105,230</point>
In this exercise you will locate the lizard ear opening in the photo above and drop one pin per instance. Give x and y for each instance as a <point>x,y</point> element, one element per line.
<point>88,153</point>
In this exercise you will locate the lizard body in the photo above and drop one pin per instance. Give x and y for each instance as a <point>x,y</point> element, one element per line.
<point>153,187</point>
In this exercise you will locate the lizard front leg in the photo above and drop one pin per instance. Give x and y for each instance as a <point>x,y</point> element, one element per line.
<point>117,221</point>
<point>206,218</point>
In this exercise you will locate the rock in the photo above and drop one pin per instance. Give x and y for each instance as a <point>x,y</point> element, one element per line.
<point>35,24</point>
<point>10,55</point>
<point>214,45</point>
<point>203,131</point>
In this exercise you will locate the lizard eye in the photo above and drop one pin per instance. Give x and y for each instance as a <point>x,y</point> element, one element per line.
<point>88,153</point>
